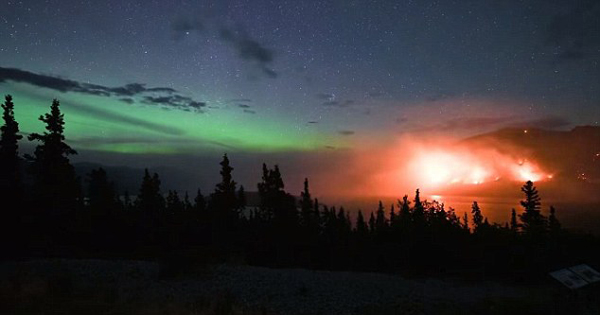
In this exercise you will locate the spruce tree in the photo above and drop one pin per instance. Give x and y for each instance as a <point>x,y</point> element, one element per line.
<point>149,200</point>
<point>223,201</point>
<point>342,222</point>
<point>126,201</point>
<point>514,226</point>
<point>465,224</point>
<point>241,198</point>
<point>372,226</point>
<point>361,226</point>
<point>102,198</point>
<point>553,223</point>
<point>9,153</point>
<point>477,217</point>
<point>200,203</point>
<point>317,213</point>
<point>404,215</point>
<point>392,216</point>
<point>276,204</point>
<point>532,219</point>
<point>223,206</point>
<point>174,204</point>
<point>381,223</point>
<point>56,186</point>
<point>306,206</point>
<point>418,213</point>
<point>186,202</point>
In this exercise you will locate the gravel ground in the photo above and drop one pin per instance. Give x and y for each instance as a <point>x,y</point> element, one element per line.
<point>279,291</point>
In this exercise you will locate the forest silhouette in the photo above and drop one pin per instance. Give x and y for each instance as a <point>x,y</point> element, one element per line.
<point>48,213</point>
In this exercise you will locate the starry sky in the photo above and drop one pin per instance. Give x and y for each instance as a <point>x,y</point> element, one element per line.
<point>295,78</point>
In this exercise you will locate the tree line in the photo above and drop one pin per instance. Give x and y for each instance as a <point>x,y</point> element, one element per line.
<point>47,213</point>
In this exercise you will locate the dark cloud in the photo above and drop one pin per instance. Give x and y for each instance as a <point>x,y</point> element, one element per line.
<point>575,32</point>
<point>66,85</point>
<point>312,122</point>
<point>165,95</point>
<point>249,49</point>
<point>249,111</point>
<point>175,101</point>
<point>50,82</point>
<point>196,105</point>
<point>346,132</point>
<point>129,89</point>
<point>244,106</point>
<point>237,37</point>
<point>127,100</point>
<point>161,90</point>
<point>269,72</point>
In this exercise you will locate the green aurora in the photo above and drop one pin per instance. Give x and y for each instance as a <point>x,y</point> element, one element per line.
<point>110,125</point>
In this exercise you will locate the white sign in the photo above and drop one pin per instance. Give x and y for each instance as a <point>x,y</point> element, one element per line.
<point>586,272</point>
<point>577,276</point>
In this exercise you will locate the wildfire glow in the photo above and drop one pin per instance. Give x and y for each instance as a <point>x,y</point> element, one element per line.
<point>439,167</point>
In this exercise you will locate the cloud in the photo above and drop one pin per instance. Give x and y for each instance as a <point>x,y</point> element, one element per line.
<point>237,37</point>
<point>127,100</point>
<point>249,111</point>
<point>244,106</point>
<point>346,132</point>
<point>312,122</point>
<point>175,101</point>
<point>247,47</point>
<point>50,82</point>
<point>164,95</point>
<point>161,90</point>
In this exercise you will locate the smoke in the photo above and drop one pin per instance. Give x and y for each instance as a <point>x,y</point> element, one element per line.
<point>434,164</point>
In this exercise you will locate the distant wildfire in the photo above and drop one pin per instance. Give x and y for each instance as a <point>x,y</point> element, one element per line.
<point>446,166</point>
<point>438,164</point>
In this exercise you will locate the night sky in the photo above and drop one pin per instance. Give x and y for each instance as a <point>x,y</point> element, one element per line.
<point>157,78</point>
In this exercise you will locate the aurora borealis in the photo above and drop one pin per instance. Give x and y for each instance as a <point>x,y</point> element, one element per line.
<point>305,80</point>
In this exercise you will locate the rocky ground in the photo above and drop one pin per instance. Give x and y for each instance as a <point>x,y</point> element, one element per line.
<point>140,287</point>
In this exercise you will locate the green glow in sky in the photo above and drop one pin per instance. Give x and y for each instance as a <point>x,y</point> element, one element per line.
<point>110,125</point>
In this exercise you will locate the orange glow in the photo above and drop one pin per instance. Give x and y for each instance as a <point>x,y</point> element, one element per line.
<point>457,165</point>
<point>439,166</point>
